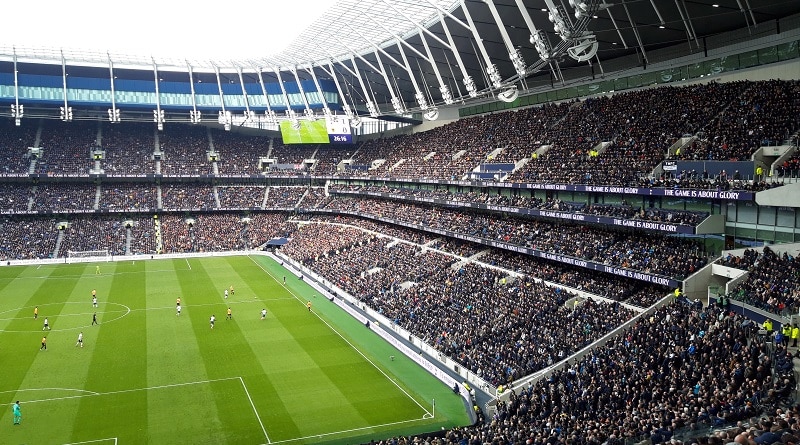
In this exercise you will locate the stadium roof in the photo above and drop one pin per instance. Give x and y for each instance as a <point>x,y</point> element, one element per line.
<point>382,50</point>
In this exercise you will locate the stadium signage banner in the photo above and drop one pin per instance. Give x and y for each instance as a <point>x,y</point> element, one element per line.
<point>636,275</point>
<point>632,223</point>
<point>684,193</point>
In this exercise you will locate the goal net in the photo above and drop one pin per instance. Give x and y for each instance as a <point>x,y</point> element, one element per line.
<point>78,256</point>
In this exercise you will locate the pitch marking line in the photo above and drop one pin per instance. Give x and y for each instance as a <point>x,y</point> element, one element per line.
<point>350,344</point>
<point>123,391</point>
<point>254,300</point>
<point>51,389</point>
<point>264,430</point>
<point>93,441</point>
<point>351,430</point>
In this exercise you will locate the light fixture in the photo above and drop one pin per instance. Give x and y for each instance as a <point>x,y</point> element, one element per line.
<point>225,119</point>
<point>421,101</point>
<point>113,115</point>
<point>469,84</point>
<point>66,114</point>
<point>195,116</point>
<point>397,105</point>
<point>355,122</point>
<point>373,109</point>
<point>158,118</point>
<point>272,118</point>
<point>446,96</point>
<point>518,62</point>
<point>17,111</point>
<point>494,75</point>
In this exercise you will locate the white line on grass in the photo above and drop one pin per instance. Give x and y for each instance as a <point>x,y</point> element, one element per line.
<point>124,311</point>
<point>187,263</point>
<point>93,441</point>
<point>348,342</point>
<point>51,389</point>
<point>122,391</point>
<point>264,430</point>
<point>351,430</point>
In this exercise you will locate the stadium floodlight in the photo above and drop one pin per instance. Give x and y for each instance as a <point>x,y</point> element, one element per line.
<point>469,84</point>
<point>158,118</point>
<point>397,105</point>
<point>17,111</point>
<point>309,113</point>
<point>356,121</point>
<point>518,62</point>
<point>541,44</point>
<point>195,116</point>
<point>113,115</point>
<point>373,109</point>
<point>580,8</point>
<point>494,75</point>
<point>225,119</point>
<point>446,96</point>
<point>423,103</point>
<point>272,118</point>
<point>66,114</point>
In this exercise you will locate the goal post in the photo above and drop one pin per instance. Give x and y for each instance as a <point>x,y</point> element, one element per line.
<point>84,256</point>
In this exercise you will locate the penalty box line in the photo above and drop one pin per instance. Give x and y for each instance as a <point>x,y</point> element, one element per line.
<point>123,391</point>
<point>174,385</point>
<point>95,441</point>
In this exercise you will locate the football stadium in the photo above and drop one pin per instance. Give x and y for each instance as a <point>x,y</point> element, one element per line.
<point>540,222</point>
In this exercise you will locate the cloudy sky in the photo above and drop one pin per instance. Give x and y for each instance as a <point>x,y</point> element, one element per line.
<point>166,28</point>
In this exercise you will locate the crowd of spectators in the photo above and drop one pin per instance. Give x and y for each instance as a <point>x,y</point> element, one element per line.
<point>185,150</point>
<point>66,148</point>
<point>605,285</point>
<point>614,140</point>
<point>679,370</point>
<point>143,237</point>
<point>790,168</point>
<point>64,197</point>
<point>773,282</point>
<point>284,197</point>
<point>128,149</point>
<point>650,253</point>
<point>501,327</point>
<point>94,233</point>
<point>292,153</point>
<point>14,143</point>
<point>241,196</point>
<point>14,197</point>
<point>239,154</point>
<point>183,196</point>
<point>765,113</point>
<point>128,196</point>
<point>624,211</point>
<point>315,197</point>
<point>27,238</point>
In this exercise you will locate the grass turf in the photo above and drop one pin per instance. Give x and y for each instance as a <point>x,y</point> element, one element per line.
<point>146,375</point>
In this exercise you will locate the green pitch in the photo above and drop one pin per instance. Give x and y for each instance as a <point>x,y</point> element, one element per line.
<point>147,375</point>
<point>310,132</point>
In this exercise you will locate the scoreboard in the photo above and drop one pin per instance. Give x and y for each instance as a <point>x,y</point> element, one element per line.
<point>334,130</point>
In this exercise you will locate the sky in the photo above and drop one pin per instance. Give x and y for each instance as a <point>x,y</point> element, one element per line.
<point>221,30</point>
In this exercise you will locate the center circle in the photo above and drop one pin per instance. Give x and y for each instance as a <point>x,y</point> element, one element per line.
<point>122,311</point>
